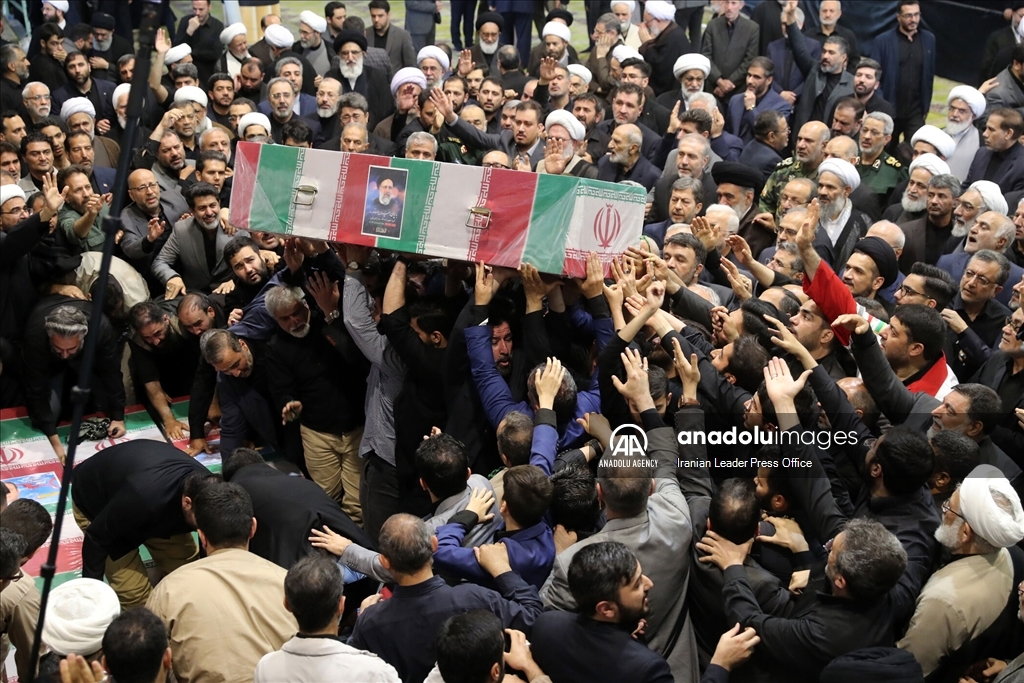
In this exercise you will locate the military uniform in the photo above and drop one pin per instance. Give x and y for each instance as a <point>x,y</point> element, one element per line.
<point>787,169</point>
<point>883,175</point>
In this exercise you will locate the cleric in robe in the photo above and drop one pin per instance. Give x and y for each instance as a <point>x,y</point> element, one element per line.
<point>383,215</point>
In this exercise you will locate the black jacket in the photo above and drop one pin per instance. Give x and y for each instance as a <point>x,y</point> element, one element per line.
<point>130,492</point>
<point>206,45</point>
<point>662,53</point>
<point>286,508</point>
<point>374,86</point>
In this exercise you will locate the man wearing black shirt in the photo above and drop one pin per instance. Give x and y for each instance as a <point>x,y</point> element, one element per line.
<point>829,13</point>
<point>907,56</point>
<point>202,32</point>
<point>826,85</point>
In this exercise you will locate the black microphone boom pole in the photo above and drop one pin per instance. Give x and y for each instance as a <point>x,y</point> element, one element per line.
<point>152,12</point>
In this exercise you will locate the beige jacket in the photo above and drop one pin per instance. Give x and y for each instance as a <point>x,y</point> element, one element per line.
<point>19,612</point>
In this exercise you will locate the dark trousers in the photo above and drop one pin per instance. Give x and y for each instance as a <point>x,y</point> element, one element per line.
<point>378,494</point>
<point>463,14</point>
<point>419,40</point>
<point>519,25</point>
<point>907,126</point>
<point>690,20</point>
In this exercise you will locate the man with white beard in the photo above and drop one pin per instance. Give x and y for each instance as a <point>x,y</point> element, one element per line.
<point>844,225</point>
<point>116,133</point>
<point>981,196</point>
<point>565,134</point>
<point>327,104</point>
<point>36,98</point>
<point>434,64</point>
<point>311,41</point>
<point>78,113</point>
<point>965,104</point>
<point>980,522</point>
<point>915,198</point>
<point>234,39</point>
<point>357,76</point>
<point>489,26</point>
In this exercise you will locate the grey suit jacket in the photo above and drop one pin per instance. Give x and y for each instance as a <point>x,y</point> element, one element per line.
<point>135,223</point>
<point>184,255</point>
<point>1005,94</point>
<point>660,538</point>
<point>398,45</point>
<point>730,58</point>
<point>1014,671</point>
<point>485,141</point>
<point>813,87</point>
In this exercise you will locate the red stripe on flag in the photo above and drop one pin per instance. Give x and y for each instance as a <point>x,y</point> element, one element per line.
<point>349,226</point>
<point>510,217</point>
<point>247,161</point>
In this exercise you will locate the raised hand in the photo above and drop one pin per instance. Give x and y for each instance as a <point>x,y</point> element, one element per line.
<point>779,382</point>
<point>805,235</point>
<point>554,161</point>
<point>546,70</point>
<point>854,323</point>
<point>485,285</point>
<point>155,229</point>
<point>687,368</point>
<point>325,291</point>
<point>740,248</point>
<point>548,382</point>
<point>637,387</point>
<point>443,104</point>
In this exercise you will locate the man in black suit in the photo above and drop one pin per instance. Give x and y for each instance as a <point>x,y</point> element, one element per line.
<point>202,32</point>
<point>357,76</point>
<point>489,26</point>
<point>826,85</point>
<point>625,161</point>
<point>132,494</point>
<point>1001,160</point>
<point>829,13</point>
<point>1005,39</point>
<point>286,509</point>
<point>771,136</point>
<point>82,84</point>
<point>666,44</point>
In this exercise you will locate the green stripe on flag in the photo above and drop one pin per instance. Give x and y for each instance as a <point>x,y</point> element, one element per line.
<point>420,190</point>
<point>553,205</point>
<point>279,172</point>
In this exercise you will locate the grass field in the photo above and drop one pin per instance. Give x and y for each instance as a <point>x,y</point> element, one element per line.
<point>290,10</point>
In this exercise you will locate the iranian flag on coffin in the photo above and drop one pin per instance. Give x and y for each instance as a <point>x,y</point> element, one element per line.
<point>451,211</point>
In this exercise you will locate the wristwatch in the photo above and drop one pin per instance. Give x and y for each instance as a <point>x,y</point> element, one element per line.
<point>332,316</point>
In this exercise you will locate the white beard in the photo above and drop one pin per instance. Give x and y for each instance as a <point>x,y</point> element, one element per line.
<point>44,111</point>
<point>384,200</point>
<point>619,158</point>
<point>301,332</point>
<point>831,210</point>
<point>961,229</point>
<point>212,225</point>
<point>351,72</point>
<point>488,48</point>
<point>327,112</point>
<point>913,205</point>
<point>102,46</point>
<point>741,210</point>
<point>946,534</point>
<point>953,128</point>
<point>122,121</point>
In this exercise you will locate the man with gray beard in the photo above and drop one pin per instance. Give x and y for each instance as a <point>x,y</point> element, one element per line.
<point>915,197</point>
<point>328,95</point>
<point>193,257</point>
<point>827,85</point>
<point>927,235</point>
<point>981,196</point>
<point>356,76</point>
<point>964,105</point>
<point>36,98</point>
<point>980,522</point>
<point>844,225</point>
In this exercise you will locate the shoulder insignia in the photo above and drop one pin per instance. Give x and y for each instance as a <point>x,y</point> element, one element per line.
<point>788,161</point>
<point>893,161</point>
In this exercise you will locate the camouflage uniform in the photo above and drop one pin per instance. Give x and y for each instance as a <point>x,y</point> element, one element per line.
<point>788,169</point>
<point>883,175</point>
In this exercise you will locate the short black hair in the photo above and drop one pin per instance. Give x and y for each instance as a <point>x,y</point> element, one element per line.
<point>938,284</point>
<point>33,137</point>
<point>639,64</point>
<point>515,438</point>
<point>432,315</point>
<point>574,504</point>
<point>598,572</point>
<point>331,7</point>
<point>688,241</point>
<point>468,646</point>
<point>627,89</point>
<point>734,513</point>
<point>380,4</point>
<point>924,325</point>
<point>298,130</point>
<point>442,462</point>
<point>194,192</point>
<point>955,454</point>
<point>29,519</point>
<point>239,459</point>
<point>237,244</point>
<point>906,458</point>
<point>313,588</point>
<point>766,123</point>
<point>224,514</point>
<point>626,485</point>
<point>145,313</point>
<point>208,156</point>
<point>12,550</point>
<point>134,646</point>
<point>197,482</point>
<point>698,116</point>
<point>747,362</point>
<point>219,76</point>
<point>984,406</point>
<point>67,172</point>
<point>754,323</point>
<point>528,494</point>
<point>50,29</point>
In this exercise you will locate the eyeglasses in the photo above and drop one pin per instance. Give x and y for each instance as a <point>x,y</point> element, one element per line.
<point>23,209</point>
<point>144,188</point>
<point>492,164</point>
<point>38,98</point>
<point>907,291</point>
<point>982,280</point>
<point>947,506</point>
<point>1013,324</point>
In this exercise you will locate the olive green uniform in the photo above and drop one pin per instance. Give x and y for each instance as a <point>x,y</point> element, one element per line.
<point>883,175</point>
<point>788,169</point>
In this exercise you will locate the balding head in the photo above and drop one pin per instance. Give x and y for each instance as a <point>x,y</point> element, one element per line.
<point>406,545</point>
<point>495,158</point>
<point>810,144</point>
<point>891,233</point>
<point>843,147</point>
<point>144,191</point>
<point>858,396</point>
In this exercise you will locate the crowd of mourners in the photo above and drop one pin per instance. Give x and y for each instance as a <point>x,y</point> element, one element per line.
<point>780,438</point>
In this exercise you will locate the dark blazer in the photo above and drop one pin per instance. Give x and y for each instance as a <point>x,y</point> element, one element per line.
<point>643,172</point>
<point>307,106</point>
<point>1006,93</point>
<point>184,255</point>
<point>956,263</point>
<point>130,492</point>
<point>887,51</point>
<point>730,57</point>
<point>662,53</point>
<point>740,122</point>
<point>308,73</point>
<point>503,141</point>
<point>480,59</point>
<point>997,42</point>
<point>286,508</point>
<point>814,86</point>
<point>104,178</point>
<point>104,92</point>
<point>572,648</point>
<point>374,86</point>
<point>760,156</point>
<point>1011,174</point>
<point>398,45</point>
<point>48,70</point>
<point>514,80</point>
<point>650,143</point>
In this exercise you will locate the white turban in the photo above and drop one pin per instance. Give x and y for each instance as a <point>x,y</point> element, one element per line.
<point>660,10</point>
<point>581,71</point>
<point>688,62</point>
<point>124,88</point>
<point>628,3</point>
<point>314,21</point>
<point>434,52</point>
<point>278,36</point>
<point>62,5</point>
<point>930,163</point>
<point>78,615</point>
<point>8,192</point>
<point>972,96</point>
<point>936,138</point>
<point>177,53</point>
<point>843,169</point>
<point>408,74</point>
<point>253,117</point>
<point>191,93</point>
<point>76,105</point>
<point>556,28</point>
<point>572,125</point>
<point>623,52</point>
<point>994,524</point>
<point>992,195</point>
<point>228,34</point>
